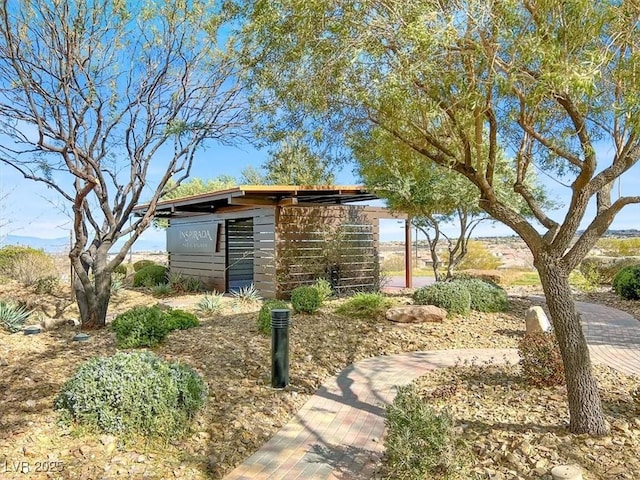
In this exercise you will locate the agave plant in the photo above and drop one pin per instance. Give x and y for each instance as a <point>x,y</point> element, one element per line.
<point>247,294</point>
<point>12,316</point>
<point>117,282</point>
<point>161,289</point>
<point>211,302</point>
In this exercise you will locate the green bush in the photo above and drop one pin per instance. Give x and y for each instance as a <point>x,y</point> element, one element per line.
<point>452,296</point>
<point>150,275</point>
<point>485,296</point>
<point>305,299</point>
<point>140,264</point>
<point>420,443</point>
<point>141,327</point>
<point>540,359</point>
<point>626,283</point>
<point>132,393</point>
<point>264,315</point>
<point>181,320</point>
<point>585,282</point>
<point>478,257</point>
<point>121,269</point>
<point>12,316</point>
<point>46,284</point>
<point>365,305</point>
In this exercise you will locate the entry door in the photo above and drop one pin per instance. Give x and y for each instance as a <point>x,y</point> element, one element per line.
<point>239,253</point>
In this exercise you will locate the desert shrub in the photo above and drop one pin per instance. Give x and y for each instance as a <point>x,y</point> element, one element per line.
<point>247,295</point>
<point>478,257</point>
<point>420,442</point>
<point>540,359</point>
<point>585,282</point>
<point>9,254</point>
<point>305,299</point>
<point>393,263</point>
<point>141,327</point>
<point>324,289</point>
<point>29,267</point>
<point>180,320</point>
<point>46,284</point>
<point>491,276</point>
<point>606,268</point>
<point>452,296</point>
<point>264,315</point>
<point>121,269</point>
<point>150,275</point>
<point>183,284</point>
<point>12,316</point>
<point>365,305</point>
<point>626,283</point>
<point>132,393</point>
<point>140,264</point>
<point>210,303</point>
<point>485,296</point>
<point>619,247</point>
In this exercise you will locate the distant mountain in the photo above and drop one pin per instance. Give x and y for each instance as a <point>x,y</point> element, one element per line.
<point>61,244</point>
<point>50,245</point>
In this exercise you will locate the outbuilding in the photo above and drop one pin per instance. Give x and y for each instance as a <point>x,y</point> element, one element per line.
<point>275,237</point>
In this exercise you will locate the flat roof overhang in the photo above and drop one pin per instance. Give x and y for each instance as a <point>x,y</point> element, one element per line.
<point>259,195</point>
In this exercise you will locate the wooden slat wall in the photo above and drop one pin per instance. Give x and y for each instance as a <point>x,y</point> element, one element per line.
<point>211,268</point>
<point>312,239</point>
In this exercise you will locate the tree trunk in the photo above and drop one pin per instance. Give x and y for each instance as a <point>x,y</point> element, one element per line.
<point>93,304</point>
<point>585,408</point>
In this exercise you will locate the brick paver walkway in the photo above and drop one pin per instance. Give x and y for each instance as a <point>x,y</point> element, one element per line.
<point>337,433</point>
<point>613,336</point>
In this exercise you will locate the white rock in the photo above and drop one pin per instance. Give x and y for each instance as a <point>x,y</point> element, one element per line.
<point>566,472</point>
<point>536,320</point>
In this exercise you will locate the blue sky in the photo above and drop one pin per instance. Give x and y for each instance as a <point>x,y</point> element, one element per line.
<point>33,210</point>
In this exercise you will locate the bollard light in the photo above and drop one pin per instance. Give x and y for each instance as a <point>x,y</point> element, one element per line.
<point>280,321</point>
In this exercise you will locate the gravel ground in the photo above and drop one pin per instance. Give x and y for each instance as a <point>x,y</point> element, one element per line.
<point>242,411</point>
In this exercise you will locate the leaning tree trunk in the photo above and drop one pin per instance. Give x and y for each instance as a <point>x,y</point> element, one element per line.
<point>585,408</point>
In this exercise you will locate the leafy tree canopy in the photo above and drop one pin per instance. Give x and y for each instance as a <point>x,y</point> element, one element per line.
<point>461,82</point>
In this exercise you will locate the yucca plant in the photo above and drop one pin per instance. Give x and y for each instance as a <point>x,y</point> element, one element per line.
<point>247,294</point>
<point>211,302</point>
<point>12,316</point>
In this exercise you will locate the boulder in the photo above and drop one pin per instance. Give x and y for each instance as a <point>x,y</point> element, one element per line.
<point>416,314</point>
<point>536,320</point>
